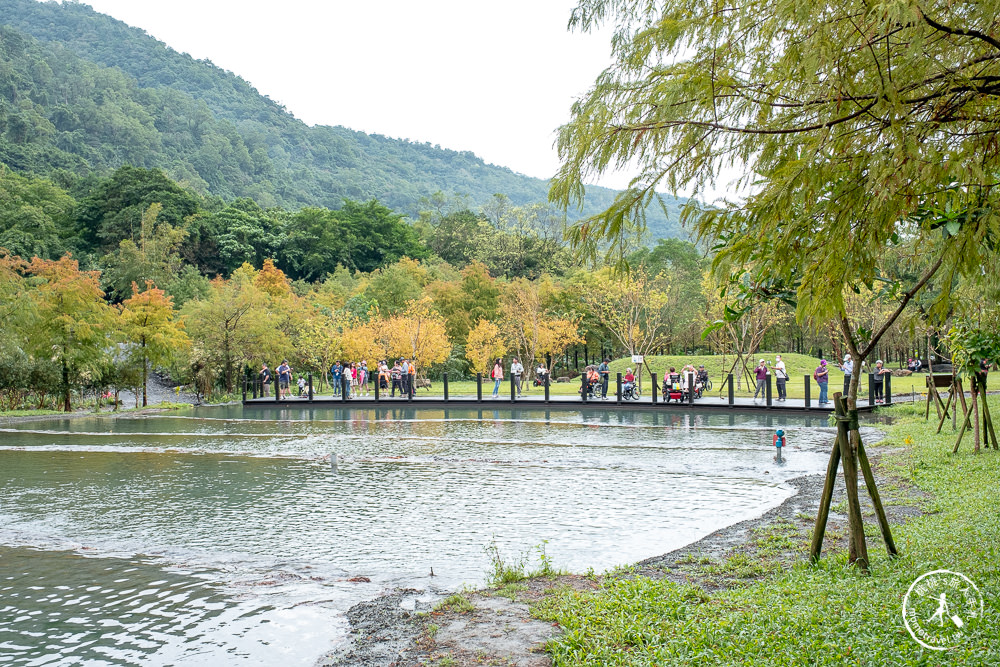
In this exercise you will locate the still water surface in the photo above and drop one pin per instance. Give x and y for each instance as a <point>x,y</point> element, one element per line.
<point>225,536</point>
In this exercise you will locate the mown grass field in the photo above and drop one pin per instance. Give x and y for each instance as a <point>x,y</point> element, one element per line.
<point>825,614</point>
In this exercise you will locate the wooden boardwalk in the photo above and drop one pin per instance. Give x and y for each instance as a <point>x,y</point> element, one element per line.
<point>536,401</point>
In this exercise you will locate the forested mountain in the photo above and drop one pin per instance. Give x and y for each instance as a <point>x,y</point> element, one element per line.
<point>84,92</point>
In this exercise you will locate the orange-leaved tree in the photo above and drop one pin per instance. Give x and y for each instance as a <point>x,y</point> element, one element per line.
<point>148,324</point>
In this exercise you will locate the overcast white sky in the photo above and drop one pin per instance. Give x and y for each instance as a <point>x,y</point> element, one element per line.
<point>496,79</point>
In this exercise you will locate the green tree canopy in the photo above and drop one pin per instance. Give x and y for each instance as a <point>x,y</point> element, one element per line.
<point>856,126</point>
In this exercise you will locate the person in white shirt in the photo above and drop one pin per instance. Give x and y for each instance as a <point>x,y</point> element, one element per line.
<point>517,370</point>
<point>780,377</point>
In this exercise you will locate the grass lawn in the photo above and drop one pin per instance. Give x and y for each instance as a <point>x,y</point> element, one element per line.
<point>827,614</point>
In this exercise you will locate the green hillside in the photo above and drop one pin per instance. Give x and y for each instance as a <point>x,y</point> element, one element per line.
<point>92,94</point>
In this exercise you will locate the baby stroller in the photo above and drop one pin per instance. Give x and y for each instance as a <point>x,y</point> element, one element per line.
<point>630,391</point>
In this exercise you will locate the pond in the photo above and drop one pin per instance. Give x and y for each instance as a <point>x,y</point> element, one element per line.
<point>226,535</point>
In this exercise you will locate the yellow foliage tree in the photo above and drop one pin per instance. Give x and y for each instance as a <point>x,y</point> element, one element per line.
<point>484,343</point>
<point>419,334</point>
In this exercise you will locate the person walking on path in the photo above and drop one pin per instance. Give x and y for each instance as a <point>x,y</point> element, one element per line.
<point>878,380</point>
<point>265,380</point>
<point>604,371</point>
<point>497,376</point>
<point>284,378</point>
<point>517,370</point>
<point>848,368</point>
<point>822,377</point>
<point>780,376</point>
<point>761,374</point>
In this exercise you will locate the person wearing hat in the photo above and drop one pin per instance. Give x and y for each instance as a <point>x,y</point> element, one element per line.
<point>701,379</point>
<point>822,377</point>
<point>761,373</point>
<point>877,380</point>
<point>779,441</point>
<point>848,368</point>
<point>780,376</point>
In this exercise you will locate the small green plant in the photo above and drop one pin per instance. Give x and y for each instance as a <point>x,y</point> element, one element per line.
<point>511,590</point>
<point>503,571</point>
<point>456,602</point>
<point>432,630</point>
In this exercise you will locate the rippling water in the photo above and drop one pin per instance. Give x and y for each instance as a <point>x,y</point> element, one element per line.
<point>225,536</point>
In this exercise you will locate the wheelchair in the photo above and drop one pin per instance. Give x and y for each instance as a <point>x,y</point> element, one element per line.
<point>631,392</point>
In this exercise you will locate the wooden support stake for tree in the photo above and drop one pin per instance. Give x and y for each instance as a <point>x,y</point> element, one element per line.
<point>951,395</point>
<point>883,521</point>
<point>857,552</point>
<point>824,502</point>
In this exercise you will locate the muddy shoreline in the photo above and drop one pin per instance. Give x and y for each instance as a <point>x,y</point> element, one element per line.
<point>392,629</point>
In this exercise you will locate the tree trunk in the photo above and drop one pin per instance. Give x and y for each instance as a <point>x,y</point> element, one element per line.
<point>65,385</point>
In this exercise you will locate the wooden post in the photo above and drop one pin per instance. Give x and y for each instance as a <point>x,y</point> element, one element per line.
<point>444,380</point>
<point>824,502</point>
<point>479,387</point>
<point>618,390</point>
<point>883,521</point>
<point>310,376</point>
<point>857,548</point>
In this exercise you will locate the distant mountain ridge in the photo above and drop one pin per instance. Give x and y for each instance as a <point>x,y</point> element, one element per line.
<point>211,129</point>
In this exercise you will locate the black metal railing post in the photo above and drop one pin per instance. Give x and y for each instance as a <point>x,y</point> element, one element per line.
<point>246,380</point>
<point>871,389</point>
<point>887,378</point>
<point>808,393</point>
<point>732,390</point>
<point>511,387</point>
<point>444,380</point>
<point>655,387</point>
<point>345,386</point>
<point>767,391</point>
<point>618,388</point>
<point>545,382</point>
<point>690,377</point>
<point>583,387</point>
<point>310,376</point>
<point>479,387</point>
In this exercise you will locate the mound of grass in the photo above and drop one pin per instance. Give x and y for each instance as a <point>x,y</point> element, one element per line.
<point>825,614</point>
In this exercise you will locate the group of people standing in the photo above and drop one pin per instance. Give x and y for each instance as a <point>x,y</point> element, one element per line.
<point>350,378</point>
<point>354,378</point>
<point>822,377</point>
<point>517,372</point>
